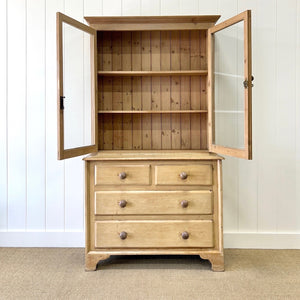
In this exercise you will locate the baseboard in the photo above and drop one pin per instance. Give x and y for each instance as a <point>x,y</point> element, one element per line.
<point>262,240</point>
<point>76,239</point>
<point>42,239</point>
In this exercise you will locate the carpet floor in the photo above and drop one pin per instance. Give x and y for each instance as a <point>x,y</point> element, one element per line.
<point>58,273</point>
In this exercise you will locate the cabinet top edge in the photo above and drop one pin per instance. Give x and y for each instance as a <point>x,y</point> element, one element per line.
<point>125,155</point>
<point>152,19</point>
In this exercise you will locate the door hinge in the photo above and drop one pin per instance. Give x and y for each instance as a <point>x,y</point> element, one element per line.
<point>62,102</point>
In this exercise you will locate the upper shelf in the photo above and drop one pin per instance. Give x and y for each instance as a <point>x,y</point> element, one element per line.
<point>153,73</point>
<point>139,23</point>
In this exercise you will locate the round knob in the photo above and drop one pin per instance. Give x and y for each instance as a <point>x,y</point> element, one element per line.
<point>183,175</point>
<point>185,235</point>
<point>123,235</point>
<point>184,203</point>
<point>122,203</point>
<point>122,175</point>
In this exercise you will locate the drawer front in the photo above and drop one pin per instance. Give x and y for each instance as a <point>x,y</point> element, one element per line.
<point>122,174</point>
<point>183,175</point>
<point>152,202</point>
<point>153,234</point>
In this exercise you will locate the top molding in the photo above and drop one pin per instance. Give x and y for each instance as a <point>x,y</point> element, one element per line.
<point>140,23</point>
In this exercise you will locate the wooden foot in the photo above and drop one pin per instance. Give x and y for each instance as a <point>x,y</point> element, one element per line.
<point>216,260</point>
<point>91,260</point>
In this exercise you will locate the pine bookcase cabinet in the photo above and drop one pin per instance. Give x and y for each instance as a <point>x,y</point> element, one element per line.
<point>154,101</point>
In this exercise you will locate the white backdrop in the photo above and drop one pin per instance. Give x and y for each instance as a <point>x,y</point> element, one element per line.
<point>42,199</point>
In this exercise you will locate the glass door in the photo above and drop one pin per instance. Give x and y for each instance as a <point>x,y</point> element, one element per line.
<point>77,111</point>
<point>230,87</point>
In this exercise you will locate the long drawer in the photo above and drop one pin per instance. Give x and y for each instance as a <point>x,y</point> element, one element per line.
<point>122,174</point>
<point>156,234</point>
<point>183,174</point>
<point>153,202</point>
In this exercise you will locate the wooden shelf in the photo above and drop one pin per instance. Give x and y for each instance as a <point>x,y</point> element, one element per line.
<point>153,73</point>
<point>152,111</point>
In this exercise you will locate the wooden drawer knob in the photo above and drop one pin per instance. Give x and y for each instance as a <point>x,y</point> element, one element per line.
<point>123,235</point>
<point>122,175</point>
<point>122,203</point>
<point>185,235</point>
<point>183,175</point>
<point>184,203</point>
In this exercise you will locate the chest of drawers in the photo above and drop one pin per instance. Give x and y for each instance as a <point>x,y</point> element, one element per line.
<point>149,204</point>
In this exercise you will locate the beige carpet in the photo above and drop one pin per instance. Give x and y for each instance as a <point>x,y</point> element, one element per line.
<point>58,273</point>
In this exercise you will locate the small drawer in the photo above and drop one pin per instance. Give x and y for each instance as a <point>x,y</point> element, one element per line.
<point>183,174</point>
<point>122,174</point>
<point>153,202</point>
<point>154,234</point>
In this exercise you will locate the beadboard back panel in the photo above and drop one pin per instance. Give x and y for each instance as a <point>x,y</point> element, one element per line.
<point>40,194</point>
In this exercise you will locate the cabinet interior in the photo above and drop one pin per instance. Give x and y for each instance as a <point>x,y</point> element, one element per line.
<point>152,90</point>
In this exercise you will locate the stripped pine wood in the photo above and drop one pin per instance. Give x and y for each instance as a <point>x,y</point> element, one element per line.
<point>155,91</point>
<point>203,93</point>
<point>175,89</point>
<point>136,64</point>
<point>173,108</point>
<point>185,90</point>
<point>127,90</point>
<point>195,89</point>
<point>165,90</point>
<point>146,90</point>
<point>117,90</point>
<point>107,91</point>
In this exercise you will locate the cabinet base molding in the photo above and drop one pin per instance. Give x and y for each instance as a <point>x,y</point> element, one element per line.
<point>92,259</point>
<point>216,260</point>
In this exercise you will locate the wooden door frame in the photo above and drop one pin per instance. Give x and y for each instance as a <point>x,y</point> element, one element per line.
<point>67,153</point>
<point>245,153</point>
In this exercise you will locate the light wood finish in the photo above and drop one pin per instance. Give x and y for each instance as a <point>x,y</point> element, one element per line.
<point>153,73</point>
<point>153,202</point>
<point>63,153</point>
<point>111,175</point>
<point>147,234</point>
<point>152,23</point>
<point>153,155</point>
<point>172,155</point>
<point>153,188</point>
<point>151,111</point>
<point>171,174</point>
<point>246,152</point>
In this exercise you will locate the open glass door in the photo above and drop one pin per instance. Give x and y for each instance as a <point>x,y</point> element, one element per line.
<point>230,87</point>
<point>77,107</point>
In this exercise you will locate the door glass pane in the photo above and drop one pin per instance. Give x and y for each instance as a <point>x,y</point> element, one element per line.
<point>77,87</point>
<point>228,106</point>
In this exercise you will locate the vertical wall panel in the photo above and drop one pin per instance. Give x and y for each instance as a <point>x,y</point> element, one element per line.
<point>264,94</point>
<point>189,7</point>
<point>297,137</point>
<point>37,190</point>
<point>170,7</point>
<point>93,7</point>
<point>285,89</point>
<point>74,167</point>
<point>35,115</point>
<point>150,8</point>
<point>55,210</point>
<point>16,117</point>
<point>3,117</point>
<point>112,8</point>
<point>208,7</point>
<point>228,9</point>
<point>131,7</point>
<point>247,170</point>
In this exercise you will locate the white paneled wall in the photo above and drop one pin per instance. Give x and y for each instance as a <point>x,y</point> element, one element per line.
<point>42,199</point>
